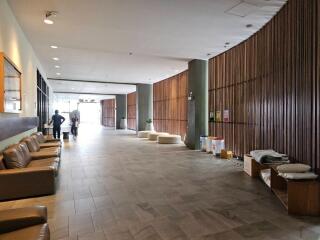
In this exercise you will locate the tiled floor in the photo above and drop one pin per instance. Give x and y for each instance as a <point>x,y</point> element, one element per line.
<point>117,187</point>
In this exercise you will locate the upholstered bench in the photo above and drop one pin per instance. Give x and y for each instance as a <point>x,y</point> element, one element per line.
<point>144,134</point>
<point>154,136</point>
<point>169,139</point>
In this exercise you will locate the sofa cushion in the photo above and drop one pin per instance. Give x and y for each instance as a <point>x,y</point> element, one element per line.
<point>14,219</point>
<point>2,164</point>
<point>36,232</point>
<point>293,168</point>
<point>49,162</point>
<point>32,145</point>
<point>48,145</point>
<point>25,150</point>
<point>40,137</point>
<point>35,141</point>
<point>15,158</point>
<point>43,155</point>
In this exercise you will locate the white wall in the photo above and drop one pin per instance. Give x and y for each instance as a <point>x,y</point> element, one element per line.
<point>16,46</point>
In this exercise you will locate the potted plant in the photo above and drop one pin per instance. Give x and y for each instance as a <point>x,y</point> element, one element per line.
<point>149,125</point>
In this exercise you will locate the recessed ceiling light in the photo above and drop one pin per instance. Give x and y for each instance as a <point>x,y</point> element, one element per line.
<point>55,58</point>
<point>49,15</point>
<point>227,43</point>
<point>48,21</point>
<point>57,66</point>
<point>130,53</point>
<point>208,54</point>
<point>249,25</point>
<point>58,74</point>
<point>54,47</point>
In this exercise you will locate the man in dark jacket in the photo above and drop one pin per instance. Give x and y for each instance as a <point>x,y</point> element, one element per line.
<point>57,121</point>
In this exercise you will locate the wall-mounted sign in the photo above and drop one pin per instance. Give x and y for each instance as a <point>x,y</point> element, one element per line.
<point>226,116</point>
<point>218,116</point>
<point>211,116</point>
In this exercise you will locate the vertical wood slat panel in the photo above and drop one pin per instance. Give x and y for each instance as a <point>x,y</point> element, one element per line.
<point>108,112</point>
<point>170,104</point>
<point>270,84</point>
<point>131,110</point>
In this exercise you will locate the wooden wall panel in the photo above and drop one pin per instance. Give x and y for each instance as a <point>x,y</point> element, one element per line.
<point>108,112</point>
<point>170,101</point>
<point>131,108</point>
<point>270,84</point>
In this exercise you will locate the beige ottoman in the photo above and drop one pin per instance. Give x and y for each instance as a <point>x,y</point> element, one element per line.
<point>169,139</point>
<point>154,136</point>
<point>144,134</point>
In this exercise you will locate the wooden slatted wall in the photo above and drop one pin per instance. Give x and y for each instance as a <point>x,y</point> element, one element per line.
<point>170,101</point>
<point>131,108</point>
<point>108,112</point>
<point>270,84</point>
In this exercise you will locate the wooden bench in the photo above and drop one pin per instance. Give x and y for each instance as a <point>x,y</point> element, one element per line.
<point>299,197</point>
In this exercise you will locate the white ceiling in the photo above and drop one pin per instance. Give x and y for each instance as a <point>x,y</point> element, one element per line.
<point>95,37</point>
<point>63,98</point>
<point>88,87</point>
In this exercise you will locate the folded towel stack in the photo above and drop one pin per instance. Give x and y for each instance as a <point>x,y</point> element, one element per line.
<point>269,156</point>
<point>296,171</point>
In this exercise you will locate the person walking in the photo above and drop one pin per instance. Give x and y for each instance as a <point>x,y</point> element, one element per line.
<point>57,121</point>
<point>74,126</point>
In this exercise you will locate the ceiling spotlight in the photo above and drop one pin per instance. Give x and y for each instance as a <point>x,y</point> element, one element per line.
<point>208,54</point>
<point>249,25</point>
<point>49,16</point>
<point>227,43</point>
<point>57,66</point>
<point>58,74</point>
<point>130,53</point>
<point>55,58</point>
<point>54,47</point>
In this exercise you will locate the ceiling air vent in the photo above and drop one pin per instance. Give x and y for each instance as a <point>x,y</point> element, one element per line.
<point>242,9</point>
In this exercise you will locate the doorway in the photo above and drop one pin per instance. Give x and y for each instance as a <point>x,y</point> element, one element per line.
<point>90,113</point>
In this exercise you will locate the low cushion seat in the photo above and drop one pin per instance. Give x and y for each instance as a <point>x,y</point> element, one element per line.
<point>293,168</point>
<point>144,134</point>
<point>154,136</point>
<point>169,139</point>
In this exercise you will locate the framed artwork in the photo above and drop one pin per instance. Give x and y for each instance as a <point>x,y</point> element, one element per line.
<point>10,86</point>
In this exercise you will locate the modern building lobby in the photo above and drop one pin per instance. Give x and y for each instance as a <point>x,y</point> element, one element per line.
<point>159,120</point>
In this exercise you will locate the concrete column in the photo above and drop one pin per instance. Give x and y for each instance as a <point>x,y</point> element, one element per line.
<point>197,103</point>
<point>121,108</point>
<point>144,105</point>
